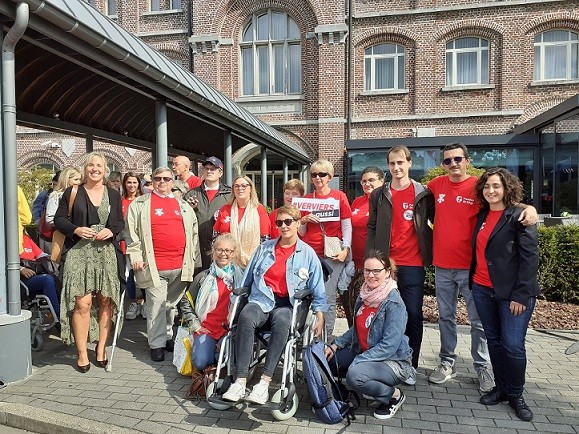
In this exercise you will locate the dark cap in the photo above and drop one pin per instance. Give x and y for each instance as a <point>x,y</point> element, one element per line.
<point>215,161</point>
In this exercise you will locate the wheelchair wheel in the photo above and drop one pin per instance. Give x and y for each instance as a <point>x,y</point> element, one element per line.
<point>280,414</point>
<point>37,342</point>
<point>221,405</point>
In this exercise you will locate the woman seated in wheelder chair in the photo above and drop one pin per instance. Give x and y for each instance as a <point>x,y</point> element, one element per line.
<point>278,269</point>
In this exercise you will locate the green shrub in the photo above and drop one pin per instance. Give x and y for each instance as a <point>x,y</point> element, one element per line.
<point>34,181</point>
<point>439,170</point>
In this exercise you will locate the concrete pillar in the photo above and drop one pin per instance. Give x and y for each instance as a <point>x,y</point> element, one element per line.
<point>285,170</point>
<point>227,157</point>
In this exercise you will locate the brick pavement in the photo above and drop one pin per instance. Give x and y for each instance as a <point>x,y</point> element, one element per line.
<point>142,396</point>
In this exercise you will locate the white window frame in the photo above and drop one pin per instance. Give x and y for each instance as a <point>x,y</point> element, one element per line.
<point>540,62</point>
<point>480,51</point>
<point>398,56</point>
<point>270,43</point>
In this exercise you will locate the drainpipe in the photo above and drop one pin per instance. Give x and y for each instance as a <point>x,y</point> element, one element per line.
<point>349,73</point>
<point>10,172</point>
<point>190,32</point>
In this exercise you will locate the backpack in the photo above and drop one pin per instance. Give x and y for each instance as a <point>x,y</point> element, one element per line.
<point>329,397</point>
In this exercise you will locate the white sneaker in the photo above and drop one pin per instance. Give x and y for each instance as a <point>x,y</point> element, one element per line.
<point>133,311</point>
<point>235,393</point>
<point>411,381</point>
<point>143,311</point>
<point>486,380</point>
<point>259,394</point>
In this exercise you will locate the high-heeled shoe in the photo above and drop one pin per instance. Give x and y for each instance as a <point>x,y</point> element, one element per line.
<point>101,363</point>
<point>83,369</point>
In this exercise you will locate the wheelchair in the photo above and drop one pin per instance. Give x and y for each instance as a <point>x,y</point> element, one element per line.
<point>43,316</point>
<point>284,403</point>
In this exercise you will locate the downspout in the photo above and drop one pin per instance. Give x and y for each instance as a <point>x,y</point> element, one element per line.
<point>349,74</point>
<point>10,172</point>
<point>190,33</point>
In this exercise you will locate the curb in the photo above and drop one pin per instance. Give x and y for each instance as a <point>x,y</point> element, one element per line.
<point>42,421</point>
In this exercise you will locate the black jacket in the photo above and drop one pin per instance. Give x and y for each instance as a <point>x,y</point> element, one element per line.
<point>512,256</point>
<point>380,220</point>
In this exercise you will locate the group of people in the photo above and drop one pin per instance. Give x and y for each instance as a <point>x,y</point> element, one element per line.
<point>210,238</point>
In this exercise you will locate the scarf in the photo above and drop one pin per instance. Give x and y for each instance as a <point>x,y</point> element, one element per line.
<point>208,294</point>
<point>246,232</point>
<point>373,297</point>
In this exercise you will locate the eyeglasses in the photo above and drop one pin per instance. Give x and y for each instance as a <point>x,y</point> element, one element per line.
<point>448,161</point>
<point>226,251</point>
<point>320,174</point>
<point>373,271</point>
<point>162,178</point>
<point>286,222</point>
<point>241,186</point>
<point>175,190</point>
<point>368,181</point>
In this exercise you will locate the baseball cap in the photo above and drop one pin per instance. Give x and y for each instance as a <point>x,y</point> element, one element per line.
<point>215,161</point>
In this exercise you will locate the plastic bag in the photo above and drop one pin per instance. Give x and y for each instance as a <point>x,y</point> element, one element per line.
<point>182,351</point>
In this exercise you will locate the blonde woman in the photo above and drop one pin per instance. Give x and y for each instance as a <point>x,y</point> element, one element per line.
<point>244,217</point>
<point>68,177</point>
<point>93,262</point>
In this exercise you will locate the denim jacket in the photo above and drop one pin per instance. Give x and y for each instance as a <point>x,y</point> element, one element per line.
<point>386,339</point>
<point>303,270</point>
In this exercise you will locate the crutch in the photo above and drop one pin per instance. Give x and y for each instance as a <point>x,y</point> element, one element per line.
<point>109,367</point>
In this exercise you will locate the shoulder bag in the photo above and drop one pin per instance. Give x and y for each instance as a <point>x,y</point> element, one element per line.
<point>58,237</point>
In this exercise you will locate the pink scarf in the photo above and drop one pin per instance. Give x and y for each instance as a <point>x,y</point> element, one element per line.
<point>373,297</point>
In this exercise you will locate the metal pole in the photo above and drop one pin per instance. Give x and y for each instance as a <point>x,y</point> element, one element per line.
<point>3,283</point>
<point>162,147</point>
<point>89,143</point>
<point>263,176</point>
<point>228,157</point>
<point>285,170</point>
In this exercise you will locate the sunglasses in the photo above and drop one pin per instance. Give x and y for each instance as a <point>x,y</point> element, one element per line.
<point>448,161</point>
<point>286,222</point>
<point>175,190</point>
<point>320,174</point>
<point>162,178</point>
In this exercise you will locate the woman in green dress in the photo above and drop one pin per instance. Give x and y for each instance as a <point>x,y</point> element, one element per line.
<point>93,263</point>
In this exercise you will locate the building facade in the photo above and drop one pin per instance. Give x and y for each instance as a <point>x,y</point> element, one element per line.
<point>347,84</point>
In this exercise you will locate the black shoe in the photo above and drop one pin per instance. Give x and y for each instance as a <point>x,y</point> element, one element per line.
<point>494,397</point>
<point>170,345</point>
<point>83,369</point>
<point>157,354</point>
<point>387,411</point>
<point>522,410</point>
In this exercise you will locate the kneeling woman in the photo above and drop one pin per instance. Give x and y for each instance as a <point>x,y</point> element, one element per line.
<point>211,290</point>
<point>276,270</point>
<point>374,354</point>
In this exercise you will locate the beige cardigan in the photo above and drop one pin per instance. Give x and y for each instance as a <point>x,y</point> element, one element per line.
<point>140,241</point>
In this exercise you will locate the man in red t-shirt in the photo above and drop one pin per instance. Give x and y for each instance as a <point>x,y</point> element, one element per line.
<point>163,247</point>
<point>181,169</point>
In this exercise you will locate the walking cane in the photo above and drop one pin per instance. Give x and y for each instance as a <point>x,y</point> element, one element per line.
<point>109,367</point>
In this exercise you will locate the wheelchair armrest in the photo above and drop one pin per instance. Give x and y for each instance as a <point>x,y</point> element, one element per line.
<point>244,290</point>
<point>302,293</point>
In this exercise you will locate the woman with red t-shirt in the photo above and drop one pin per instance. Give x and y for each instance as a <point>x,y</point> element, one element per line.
<point>312,231</point>
<point>131,190</point>
<point>211,291</point>
<point>374,354</point>
<point>244,217</point>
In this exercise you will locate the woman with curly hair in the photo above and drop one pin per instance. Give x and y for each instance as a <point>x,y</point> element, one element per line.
<point>503,279</point>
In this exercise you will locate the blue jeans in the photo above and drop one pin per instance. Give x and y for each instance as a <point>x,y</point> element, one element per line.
<point>331,287</point>
<point>506,338</point>
<point>411,287</point>
<point>252,318</point>
<point>205,352</point>
<point>44,284</point>
<point>375,379</point>
<point>449,283</point>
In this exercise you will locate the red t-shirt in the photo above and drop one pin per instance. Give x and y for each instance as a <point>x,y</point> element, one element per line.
<point>404,248</point>
<point>211,194</point>
<point>224,216</point>
<point>125,207</point>
<point>218,316</point>
<point>275,276</point>
<point>456,208</point>
<point>313,236</point>
<point>168,232</point>
<point>193,181</point>
<point>481,273</point>
<point>360,213</point>
<point>273,229</point>
<point>31,250</point>
<point>364,318</point>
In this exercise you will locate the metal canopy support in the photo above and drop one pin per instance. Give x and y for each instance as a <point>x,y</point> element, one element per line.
<point>285,170</point>
<point>263,157</point>
<point>162,147</point>
<point>228,157</point>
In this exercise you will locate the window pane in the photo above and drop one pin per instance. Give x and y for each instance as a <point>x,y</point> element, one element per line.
<point>384,49</point>
<point>385,73</point>
<point>484,73</point>
<point>466,68</point>
<point>401,72</point>
<point>574,65</point>
<point>466,43</point>
<point>279,25</point>
<point>537,63</point>
<point>247,68</point>
<point>555,62</point>
<point>449,66</point>
<point>556,36</point>
<point>112,7</point>
<point>263,65</point>
<point>278,71</point>
<point>295,69</point>
<point>155,5</point>
<point>248,34</point>
<point>368,72</point>
<point>263,27</point>
<point>294,31</point>
<point>175,4</point>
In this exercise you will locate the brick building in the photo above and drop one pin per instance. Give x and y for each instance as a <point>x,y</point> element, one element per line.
<point>347,84</point>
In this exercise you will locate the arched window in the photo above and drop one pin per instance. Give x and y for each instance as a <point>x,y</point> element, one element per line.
<point>271,55</point>
<point>556,55</point>
<point>384,67</point>
<point>467,61</point>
